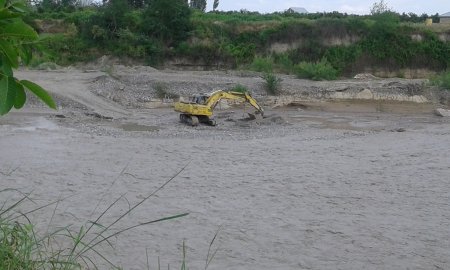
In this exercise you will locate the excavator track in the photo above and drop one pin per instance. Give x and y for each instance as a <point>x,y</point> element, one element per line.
<point>195,120</point>
<point>191,120</point>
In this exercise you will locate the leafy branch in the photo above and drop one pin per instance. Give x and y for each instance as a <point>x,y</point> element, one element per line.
<point>16,41</point>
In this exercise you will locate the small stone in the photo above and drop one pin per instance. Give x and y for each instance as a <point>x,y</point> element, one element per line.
<point>365,76</point>
<point>442,112</point>
<point>338,89</point>
<point>365,94</point>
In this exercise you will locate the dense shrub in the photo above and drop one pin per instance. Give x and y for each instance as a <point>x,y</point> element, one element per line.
<point>242,53</point>
<point>167,20</point>
<point>262,64</point>
<point>283,63</point>
<point>341,57</point>
<point>239,88</point>
<point>159,30</point>
<point>442,80</point>
<point>322,70</point>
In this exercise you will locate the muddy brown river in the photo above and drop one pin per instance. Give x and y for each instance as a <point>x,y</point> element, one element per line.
<point>302,189</point>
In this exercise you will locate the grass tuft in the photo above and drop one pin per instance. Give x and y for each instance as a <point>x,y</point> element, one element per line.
<point>21,248</point>
<point>272,83</point>
<point>239,88</point>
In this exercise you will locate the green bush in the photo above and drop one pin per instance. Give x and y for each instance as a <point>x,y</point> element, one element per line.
<point>64,50</point>
<point>442,80</point>
<point>167,21</point>
<point>272,83</point>
<point>22,247</point>
<point>262,64</point>
<point>341,57</point>
<point>283,63</point>
<point>322,70</point>
<point>239,88</point>
<point>242,53</point>
<point>16,246</point>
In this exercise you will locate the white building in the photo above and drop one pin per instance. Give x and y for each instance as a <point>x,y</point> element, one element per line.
<point>298,10</point>
<point>445,18</point>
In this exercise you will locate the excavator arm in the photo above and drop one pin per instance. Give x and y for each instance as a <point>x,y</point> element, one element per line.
<point>216,96</point>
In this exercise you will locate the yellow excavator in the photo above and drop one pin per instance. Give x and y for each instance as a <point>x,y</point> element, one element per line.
<point>199,108</point>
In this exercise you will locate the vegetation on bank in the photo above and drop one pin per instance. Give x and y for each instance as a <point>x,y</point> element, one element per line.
<point>316,46</point>
<point>442,80</point>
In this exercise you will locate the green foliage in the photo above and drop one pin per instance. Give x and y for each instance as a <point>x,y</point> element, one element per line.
<point>379,8</point>
<point>167,21</point>
<point>272,83</point>
<point>322,70</point>
<point>163,30</point>
<point>283,63</point>
<point>22,248</point>
<point>16,41</point>
<point>63,50</point>
<point>442,80</point>
<point>16,245</point>
<point>239,88</point>
<point>262,64</point>
<point>114,14</point>
<point>386,40</point>
<point>435,50</point>
<point>340,57</point>
<point>54,5</point>
<point>242,53</point>
<point>198,4</point>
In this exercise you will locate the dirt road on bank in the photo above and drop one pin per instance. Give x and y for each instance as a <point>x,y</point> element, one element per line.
<point>325,186</point>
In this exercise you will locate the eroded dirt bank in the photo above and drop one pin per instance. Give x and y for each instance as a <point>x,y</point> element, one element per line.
<point>312,186</point>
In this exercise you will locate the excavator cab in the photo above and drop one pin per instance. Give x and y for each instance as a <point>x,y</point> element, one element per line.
<point>199,99</point>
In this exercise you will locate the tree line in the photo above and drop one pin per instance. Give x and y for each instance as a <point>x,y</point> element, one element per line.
<point>71,5</point>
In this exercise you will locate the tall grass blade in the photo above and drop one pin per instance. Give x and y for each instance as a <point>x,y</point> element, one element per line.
<point>134,207</point>
<point>208,257</point>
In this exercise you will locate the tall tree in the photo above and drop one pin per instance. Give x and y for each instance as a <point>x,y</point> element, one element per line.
<point>215,5</point>
<point>167,20</point>
<point>136,3</point>
<point>379,8</point>
<point>114,13</point>
<point>198,4</point>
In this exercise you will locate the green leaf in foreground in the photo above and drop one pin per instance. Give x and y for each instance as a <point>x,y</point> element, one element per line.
<point>18,29</point>
<point>19,7</point>
<point>10,53</point>
<point>6,14</point>
<point>39,92</point>
<point>7,94</point>
<point>21,97</point>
